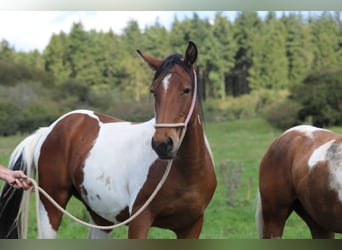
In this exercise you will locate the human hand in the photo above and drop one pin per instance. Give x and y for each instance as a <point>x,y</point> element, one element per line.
<point>17,179</point>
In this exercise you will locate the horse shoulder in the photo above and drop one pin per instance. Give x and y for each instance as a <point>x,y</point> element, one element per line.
<point>117,165</point>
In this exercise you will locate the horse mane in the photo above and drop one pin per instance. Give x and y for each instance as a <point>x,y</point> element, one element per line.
<point>169,62</point>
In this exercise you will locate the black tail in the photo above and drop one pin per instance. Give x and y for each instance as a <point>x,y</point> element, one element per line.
<point>10,201</point>
<point>14,203</point>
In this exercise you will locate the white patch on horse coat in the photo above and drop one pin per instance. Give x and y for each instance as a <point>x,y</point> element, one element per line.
<point>334,157</point>
<point>115,170</point>
<point>331,153</point>
<point>319,154</point>
<point>117,167</point>
<point>166,82</point>
<point>308,130</point>
<point>209,148</point>
<point>46,229</point>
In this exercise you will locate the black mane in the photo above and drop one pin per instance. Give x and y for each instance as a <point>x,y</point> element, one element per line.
<point>169,62</point>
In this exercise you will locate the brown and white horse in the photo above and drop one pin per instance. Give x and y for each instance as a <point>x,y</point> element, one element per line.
<point>111,167</point>
<point>302,172</point>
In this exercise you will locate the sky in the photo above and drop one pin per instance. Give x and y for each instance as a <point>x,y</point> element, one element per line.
<point>29,30</point>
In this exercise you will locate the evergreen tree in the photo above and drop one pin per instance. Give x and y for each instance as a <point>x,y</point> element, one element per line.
<point>6,51</point>
<point>110,47</point>
<point>156,41</point>
<point>132,37</point>
<point>275,62</point>
<point>136,80</point>
<point>256,72</point>
<point>180,34</point>
<point>82,51</point>
<point>326,42</point>
<point>56,58</point>
<point>219,54</point>
<point>298,47</point>
<point>320,96</point>
<point>246,26</point>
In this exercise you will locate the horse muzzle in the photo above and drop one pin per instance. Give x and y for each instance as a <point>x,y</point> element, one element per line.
<point>164,149</point>
<point>165,142</point>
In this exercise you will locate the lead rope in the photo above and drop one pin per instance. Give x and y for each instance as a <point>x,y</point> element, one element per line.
<point>38,189</point>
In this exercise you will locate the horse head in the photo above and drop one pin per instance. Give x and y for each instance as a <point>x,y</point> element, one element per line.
<point>174,89</point>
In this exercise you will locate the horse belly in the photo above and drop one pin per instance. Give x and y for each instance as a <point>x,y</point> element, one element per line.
<point>116,169</point>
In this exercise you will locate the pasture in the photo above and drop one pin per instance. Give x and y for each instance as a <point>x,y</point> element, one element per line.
<point>237,148</point>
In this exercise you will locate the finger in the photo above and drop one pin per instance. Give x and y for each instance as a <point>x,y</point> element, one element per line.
<point>19,184</point>
<point>28,188</point>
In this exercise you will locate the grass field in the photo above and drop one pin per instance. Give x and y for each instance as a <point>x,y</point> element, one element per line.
<point>237,147</point>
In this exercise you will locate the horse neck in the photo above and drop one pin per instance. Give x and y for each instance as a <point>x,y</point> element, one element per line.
<point>193,147</point>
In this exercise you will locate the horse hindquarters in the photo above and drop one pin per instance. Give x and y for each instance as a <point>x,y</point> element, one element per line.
<point>276,196</point>
<point>270,221</point>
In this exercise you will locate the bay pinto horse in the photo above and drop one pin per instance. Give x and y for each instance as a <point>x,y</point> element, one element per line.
<point>302,172</point>
<point>113,166</point>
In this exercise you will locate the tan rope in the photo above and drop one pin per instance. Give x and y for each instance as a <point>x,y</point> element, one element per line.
<point>170,125</point>
<point>38,190</point>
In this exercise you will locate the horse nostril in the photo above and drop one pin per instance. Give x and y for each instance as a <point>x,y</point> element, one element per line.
<point>163,148</point>
<point>153,144</point>
<point>169,143</point>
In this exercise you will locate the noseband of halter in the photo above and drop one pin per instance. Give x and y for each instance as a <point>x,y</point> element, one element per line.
<point>191,110</point>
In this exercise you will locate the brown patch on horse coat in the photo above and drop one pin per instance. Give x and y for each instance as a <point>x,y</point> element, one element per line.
<point>72,151</point>
<point>106,118</point>
<point>287,182</point>
<point>187,191</point>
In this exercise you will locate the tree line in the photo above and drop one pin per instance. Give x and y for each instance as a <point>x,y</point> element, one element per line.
<point>271,62</point>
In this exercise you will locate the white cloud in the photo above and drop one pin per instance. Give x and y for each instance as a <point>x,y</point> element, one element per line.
<point>26,30</point>
<point>29,30</point>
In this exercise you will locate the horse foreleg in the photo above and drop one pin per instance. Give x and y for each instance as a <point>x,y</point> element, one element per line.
<point>191,232</point>
<point>95,233</point>
<point>139,227</point>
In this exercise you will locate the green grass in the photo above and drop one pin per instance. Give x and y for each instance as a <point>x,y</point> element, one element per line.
<point>238,148</point>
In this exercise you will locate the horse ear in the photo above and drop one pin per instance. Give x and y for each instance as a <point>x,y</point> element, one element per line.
<point>190,54</point>
<point>150,60</point>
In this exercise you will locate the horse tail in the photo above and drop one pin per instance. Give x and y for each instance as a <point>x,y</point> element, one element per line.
<point>258,216</point>
<point>14,203</point>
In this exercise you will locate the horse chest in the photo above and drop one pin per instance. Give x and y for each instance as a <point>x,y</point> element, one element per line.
<point>180,209</point>
<point>112,174</point>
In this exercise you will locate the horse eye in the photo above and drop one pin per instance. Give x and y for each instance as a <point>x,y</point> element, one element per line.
<point>187,91</point>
